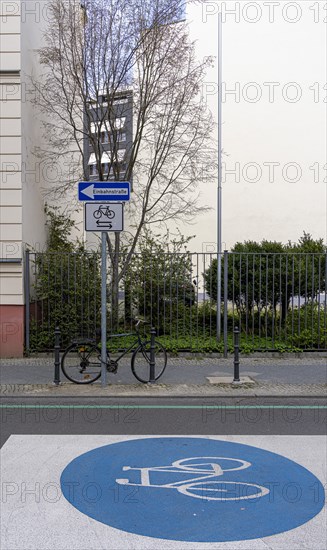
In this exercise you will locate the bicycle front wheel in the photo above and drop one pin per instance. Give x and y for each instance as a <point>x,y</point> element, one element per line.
<point>141,361</point>
<point>81,362</point>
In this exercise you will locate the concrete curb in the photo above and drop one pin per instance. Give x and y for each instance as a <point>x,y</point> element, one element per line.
<point>303,355</point>
<point>164,390</point>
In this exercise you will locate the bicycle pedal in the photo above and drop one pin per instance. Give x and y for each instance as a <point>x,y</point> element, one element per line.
<point>113,367</point>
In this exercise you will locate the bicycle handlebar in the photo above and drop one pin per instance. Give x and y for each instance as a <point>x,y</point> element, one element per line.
<point>138,321</point>
<point>137,324</point>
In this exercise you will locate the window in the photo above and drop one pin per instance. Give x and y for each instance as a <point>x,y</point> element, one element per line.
<point>94,127</point>
<point>119,123</point>
<point>92,159</point>
<point>92,164</point>
<point>121,101</point>
<point>93,170</point>
<point>121,155</point>
<point>107,156</point>
<point>104,137</point>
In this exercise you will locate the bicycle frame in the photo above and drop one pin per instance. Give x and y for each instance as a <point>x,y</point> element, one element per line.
<point>134,345</point>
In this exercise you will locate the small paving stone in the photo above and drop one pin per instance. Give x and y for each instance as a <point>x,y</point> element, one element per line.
<point>163,390</point>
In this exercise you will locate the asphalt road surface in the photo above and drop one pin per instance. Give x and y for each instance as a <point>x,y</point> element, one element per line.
<point>163,474</point>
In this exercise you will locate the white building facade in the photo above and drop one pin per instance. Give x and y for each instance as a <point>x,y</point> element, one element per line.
<point>22,220</point>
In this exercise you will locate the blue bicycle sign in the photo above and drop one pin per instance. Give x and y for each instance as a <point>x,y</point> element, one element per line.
<point>192,489</point>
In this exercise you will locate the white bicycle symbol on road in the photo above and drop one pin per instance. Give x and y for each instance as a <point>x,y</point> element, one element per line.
<point>207,470</point>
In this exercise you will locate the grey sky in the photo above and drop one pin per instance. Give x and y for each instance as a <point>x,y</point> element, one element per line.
<point>274,124</point>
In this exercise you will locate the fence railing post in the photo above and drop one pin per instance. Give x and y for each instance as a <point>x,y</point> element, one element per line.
<point>27,300</point>
<point>225,303</point>
<point>218,321</point>
<point>236,355</point>
<point>57,357</point>
<point>152,356</point>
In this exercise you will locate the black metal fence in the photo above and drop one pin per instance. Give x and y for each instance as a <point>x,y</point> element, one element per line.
<point>61,289</point>
<point>278,301</point>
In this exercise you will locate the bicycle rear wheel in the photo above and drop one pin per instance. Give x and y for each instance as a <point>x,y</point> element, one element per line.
<point>141,361</point>
<point>81,362</point>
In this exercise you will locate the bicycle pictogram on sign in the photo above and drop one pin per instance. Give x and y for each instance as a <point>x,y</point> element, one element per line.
<point>202,481</point>
<point>105,211</point>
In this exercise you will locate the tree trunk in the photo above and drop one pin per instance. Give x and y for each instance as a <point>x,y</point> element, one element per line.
<point>284,307</point>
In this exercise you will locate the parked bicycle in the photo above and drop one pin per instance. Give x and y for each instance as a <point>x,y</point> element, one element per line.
<point>104,211</point>
<point>81,361</point>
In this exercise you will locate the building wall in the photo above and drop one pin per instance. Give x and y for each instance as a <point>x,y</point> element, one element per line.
<point>25,176</point>
<point>287,128</point>
<point>34,174</point>
<point>11,231</point>
<point>22,177</point>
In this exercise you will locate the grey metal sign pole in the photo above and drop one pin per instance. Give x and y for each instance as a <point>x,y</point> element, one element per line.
<point>219,190</point>
<point>105,216</point>
<point>103,308</point>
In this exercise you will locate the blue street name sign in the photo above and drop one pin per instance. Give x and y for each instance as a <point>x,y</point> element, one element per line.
<point>104,191</point>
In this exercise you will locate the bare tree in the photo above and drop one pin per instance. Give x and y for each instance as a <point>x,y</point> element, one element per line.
<point>100,49</point>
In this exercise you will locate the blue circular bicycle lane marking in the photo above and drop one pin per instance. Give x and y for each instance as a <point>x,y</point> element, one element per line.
<point>192,489</point>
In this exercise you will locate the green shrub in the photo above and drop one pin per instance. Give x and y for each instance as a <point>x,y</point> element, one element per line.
<point>158,282</point>
<point>264,276</point>
<point>65,288</point>
<point>306,327</point>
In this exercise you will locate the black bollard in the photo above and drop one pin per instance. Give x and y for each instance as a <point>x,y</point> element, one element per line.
<point>152,356</point>
<point>236,355</point>
<point>57,357</point>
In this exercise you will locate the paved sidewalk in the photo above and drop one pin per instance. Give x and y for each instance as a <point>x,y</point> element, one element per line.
<point>184,376</point>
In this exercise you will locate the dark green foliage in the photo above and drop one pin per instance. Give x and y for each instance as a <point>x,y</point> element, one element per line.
<point>265,276</point>
<point>158,283</point>
<point>65,287</point>
<point>306,327</point>
<point>267,285</point>
<point>59,230</point>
